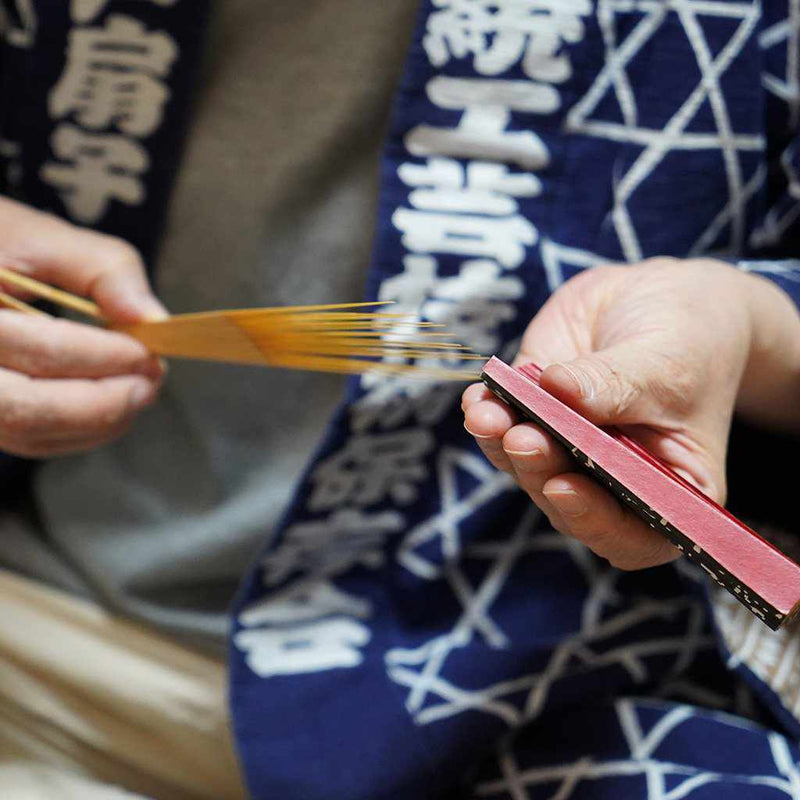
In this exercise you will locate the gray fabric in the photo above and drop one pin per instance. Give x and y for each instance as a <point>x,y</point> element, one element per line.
<point>274,205</point>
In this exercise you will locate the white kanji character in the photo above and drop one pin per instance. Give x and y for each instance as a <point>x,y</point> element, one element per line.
<point>99,168</point>
<point>322,645</point>
<point>87,10</point>
<point>305,601</point>
<point>480,188</point>
<point>331,546</point>
<point>392,400</point>
<point>503,239</point>
<point>371,468</point>
<point>502,33</point>
<point>19,29</point>
<point>469,198</point>
<point>481,132</point>
<point>113,76</point>
<point>472,303</point>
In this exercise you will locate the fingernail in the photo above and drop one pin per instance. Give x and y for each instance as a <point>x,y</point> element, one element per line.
<point>581,381</point>
<point>141,395</point>
<point>147,308</point>
<point>567,502</point>
<point>477,435</point>
<point>527,460</point>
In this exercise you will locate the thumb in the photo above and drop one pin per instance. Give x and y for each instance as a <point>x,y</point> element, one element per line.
<point>617,385</point>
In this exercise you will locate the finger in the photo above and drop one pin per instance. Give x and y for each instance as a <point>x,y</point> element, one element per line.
<point>54,447</point>
<point>554,336</point>
<point>487,421</point>
<point>597,519</point>
<point>535,457</point>
<point>623,384</point>
<point>54,348</point>
<point>36,409</point>
<point>70,437</point>
<point>474,393</point>
<point>15,291</point>
<point>82,261</point>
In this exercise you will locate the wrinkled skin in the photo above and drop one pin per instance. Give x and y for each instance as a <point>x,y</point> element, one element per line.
<point>66,387</point>
<point>667,350</point>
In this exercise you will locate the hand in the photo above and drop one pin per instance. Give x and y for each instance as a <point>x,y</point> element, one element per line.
<point>66,387</point>
<point>663,350</point>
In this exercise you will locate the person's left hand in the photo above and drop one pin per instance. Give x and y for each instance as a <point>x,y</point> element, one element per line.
<point>66,387</point>
<point>659,349</point>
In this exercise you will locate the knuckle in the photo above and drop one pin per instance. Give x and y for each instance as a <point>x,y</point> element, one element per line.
<point>19,421</point>
<point>656,263</point>
<point>603,272</point>
<point>655,552</point>
<point>46,359</point>
<point>621,392</point>
<point>588,279</point>
<point>533,488</point>
<point>599,540</point>
<point>122,256</point>
<point>110,414</point>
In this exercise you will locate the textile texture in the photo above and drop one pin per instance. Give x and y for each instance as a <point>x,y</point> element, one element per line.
<point>418,630</point>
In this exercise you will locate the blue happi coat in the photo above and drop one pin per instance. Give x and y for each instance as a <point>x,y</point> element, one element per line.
<point>417,630</point>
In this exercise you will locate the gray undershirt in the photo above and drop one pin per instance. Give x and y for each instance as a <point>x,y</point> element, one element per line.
<point>274,205</point>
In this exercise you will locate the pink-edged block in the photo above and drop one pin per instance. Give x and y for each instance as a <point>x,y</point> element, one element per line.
<point>758,574</point>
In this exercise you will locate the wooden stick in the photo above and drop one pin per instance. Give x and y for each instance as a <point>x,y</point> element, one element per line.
<point>11,302</point>
<point>57,296</point>
<point>331,337</point>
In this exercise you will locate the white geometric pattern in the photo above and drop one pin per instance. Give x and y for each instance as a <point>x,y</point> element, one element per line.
<point>784,34</point>
<point>658,143</point>
<point>609,628</point>
<point>555,257</point>
<point>774,656</point>
<point>643,760</point>
<point>785,87</point>
<point>433,697</point>
<point>786,211</point>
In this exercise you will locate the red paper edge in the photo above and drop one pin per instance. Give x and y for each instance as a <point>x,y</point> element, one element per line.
<point>755,562</point>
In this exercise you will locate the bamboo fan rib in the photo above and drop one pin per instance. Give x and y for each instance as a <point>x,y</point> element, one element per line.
<point>342,337</point>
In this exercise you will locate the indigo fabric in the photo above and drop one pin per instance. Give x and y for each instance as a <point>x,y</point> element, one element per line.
<point>418,630</point>
<point>96,95</point>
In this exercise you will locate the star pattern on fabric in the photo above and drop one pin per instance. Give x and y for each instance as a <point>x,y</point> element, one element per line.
<point>433,694</point>
<point>650,731</point>
<point>561,262</point>
<point>657,143</point>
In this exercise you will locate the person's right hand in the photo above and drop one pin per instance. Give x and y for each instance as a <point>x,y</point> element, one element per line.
<point>67,387</point>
